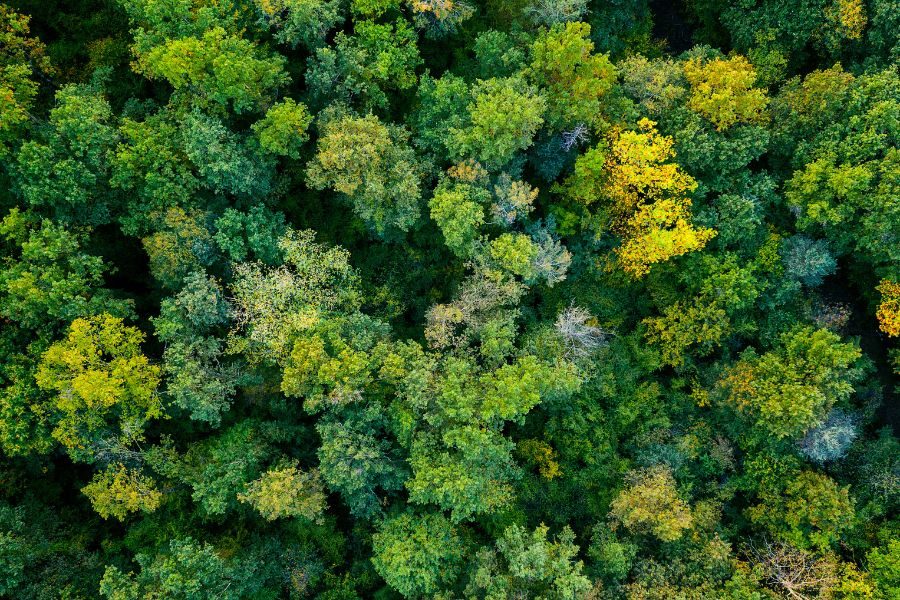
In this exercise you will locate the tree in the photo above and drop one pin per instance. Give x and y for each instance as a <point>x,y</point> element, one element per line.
<point>199,377</point>
<point>101,381</point>
<point>185,570</point>
<point>651,505</point>
<point>439,18</point>
<point>441,104</point>
<point>458,215</point>
<point>642,197</point>
<point>575,79</point>
<point>579,331</point>
<point>180,246</point>
<point>805,509</point>
<point>702,324</point>
<point>790,389</point>
<point>527,564</point>
<point>885,567</point>
<point>515,252</point>
<point>223,68</point>
<point>47,277</point>
<point>552,12</point>
<point>657,232</point>
<point>255,233</point>
<point>503,117</point>
<point>359,463</point>
<point>227,162</point>
<point>272,305</point>
<point>552,260</point>
<point>286,491</point>
<point>460,460</point>
<point>296,22</point>
<point>118,490</point>
<point>150,164</point>
<point>67,169</point>
<point>830,440</point>
<point>226,464</point>
<point>842,177</point>
<point>22,59</point>
<point>889,308</point>
<point>418,555</point>
<point>808,260</point>
<point>372,165</point>
<point>363,67</point>
<point>657,85</point>
<point>793,571</point>
<point>723,92</point>
<point>514,200</point>
<point>638,171</point>
<point>283,130</point>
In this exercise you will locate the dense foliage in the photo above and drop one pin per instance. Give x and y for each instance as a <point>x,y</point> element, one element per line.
<point>455,299</point>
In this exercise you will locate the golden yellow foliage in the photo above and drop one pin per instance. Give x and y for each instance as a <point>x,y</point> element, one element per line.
<point>650,504</point>
<point>638,172</point>
<point>658,232</point>
<point>440,9</point>
<point>99,376</point>
<point>848,17</point>
<point>722,91</point>
<point>889,310</point>
<point>646,196</point>
<point>468,171</point>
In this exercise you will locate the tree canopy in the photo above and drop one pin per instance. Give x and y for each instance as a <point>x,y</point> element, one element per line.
<point>450,299</point>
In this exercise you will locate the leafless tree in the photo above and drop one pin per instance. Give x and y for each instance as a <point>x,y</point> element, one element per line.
<point>551,263</point>
<point>792,572</point>
<point>577,136</point>
<point>580,337</point>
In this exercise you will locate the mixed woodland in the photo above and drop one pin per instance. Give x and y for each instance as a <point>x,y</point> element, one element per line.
<point>449,299</point>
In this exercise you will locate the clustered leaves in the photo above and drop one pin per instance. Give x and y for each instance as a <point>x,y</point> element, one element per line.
<point>450,299</point>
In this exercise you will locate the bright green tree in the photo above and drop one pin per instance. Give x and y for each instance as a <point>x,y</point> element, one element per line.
<point>418,555</point>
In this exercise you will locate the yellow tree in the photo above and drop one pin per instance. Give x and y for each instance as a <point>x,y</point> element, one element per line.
<point>658,232</point>
<point>722,91</point>
<point>644,196</point>
<point>650,504</point>
<point>889,310</point>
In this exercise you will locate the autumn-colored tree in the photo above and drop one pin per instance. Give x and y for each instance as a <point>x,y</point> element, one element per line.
<point>658,232</point>
<point>642,196</point>
<point>722,91</point>
<point>651,504</point>
<point>889,308</point>
<point>101,380</point>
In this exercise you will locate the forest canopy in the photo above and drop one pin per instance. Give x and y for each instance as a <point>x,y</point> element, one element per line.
<point>450,299</point>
